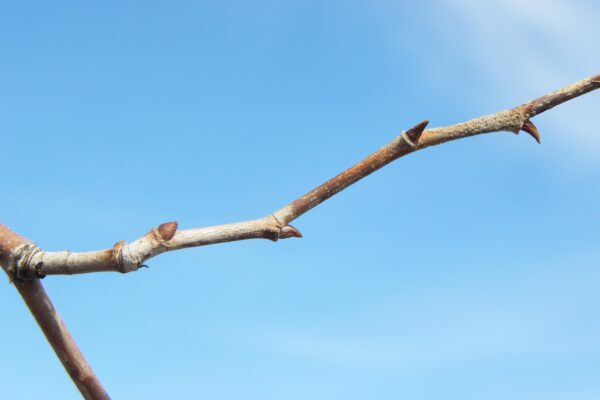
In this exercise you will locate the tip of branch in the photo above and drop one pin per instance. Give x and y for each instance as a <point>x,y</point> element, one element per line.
<point>289,231</point>
<point>415,132</point>
<point>167,230</point>
<point>530,128</point>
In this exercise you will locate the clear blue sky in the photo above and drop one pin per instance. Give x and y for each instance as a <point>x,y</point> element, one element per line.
<point>465,271</point>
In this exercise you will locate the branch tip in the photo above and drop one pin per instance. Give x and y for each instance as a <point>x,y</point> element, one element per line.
<point>530,128</point>
<point>167,230</point>
<point>415,132</point>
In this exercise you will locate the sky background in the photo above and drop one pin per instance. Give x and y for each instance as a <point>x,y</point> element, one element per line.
<point>465,271</point>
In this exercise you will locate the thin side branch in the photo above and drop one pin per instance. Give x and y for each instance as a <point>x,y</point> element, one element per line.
<point>51,323</point>
<point>128,257</point>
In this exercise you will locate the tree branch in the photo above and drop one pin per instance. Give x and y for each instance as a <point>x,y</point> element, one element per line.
<point>128,257</point>
<point>25,263</point>
<point>50,322</point>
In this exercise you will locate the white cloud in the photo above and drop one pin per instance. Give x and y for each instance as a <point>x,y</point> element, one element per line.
<point>538,45</point>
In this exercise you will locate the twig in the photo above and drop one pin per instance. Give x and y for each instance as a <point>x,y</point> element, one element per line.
<point>25,263</point>
<point>128,257</point>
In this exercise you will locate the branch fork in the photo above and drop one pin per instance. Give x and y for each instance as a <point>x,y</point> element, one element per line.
<point>24,263</point>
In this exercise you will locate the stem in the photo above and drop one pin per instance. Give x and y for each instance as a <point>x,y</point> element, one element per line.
<point>128,257</point>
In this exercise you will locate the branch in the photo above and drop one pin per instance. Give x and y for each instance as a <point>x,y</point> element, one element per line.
<point>24,262</point>
<point>50,322</point>
<point>128,257</point>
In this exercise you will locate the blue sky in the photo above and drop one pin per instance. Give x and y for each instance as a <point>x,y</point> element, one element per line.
<point>465,271</point>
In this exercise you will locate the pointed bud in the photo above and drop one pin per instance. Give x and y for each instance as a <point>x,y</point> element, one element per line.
<point>530,128</point>
<point>289,231</point>
<point>167,230</point>
<point>415,132</point>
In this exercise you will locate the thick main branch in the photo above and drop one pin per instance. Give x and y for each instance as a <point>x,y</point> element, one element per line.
<point>49,320</point>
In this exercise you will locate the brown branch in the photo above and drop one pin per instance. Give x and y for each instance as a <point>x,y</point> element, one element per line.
<point>25,263</point>
<point>513,120</point>
<point>128,257</point>
<point>50,322</point>
<point>402,145</point>
<point>546,102</point>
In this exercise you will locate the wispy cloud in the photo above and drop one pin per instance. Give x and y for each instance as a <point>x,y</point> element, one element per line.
<point>533,41</point>
<point>538,45</point>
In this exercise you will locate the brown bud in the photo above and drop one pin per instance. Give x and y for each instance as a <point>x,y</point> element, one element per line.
<point>167,230</point>
<point>415,132</point>
<point>530,128</point>
<point>289,231</point>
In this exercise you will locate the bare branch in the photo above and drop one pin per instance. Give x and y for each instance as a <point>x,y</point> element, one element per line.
<point>402,145</point>
<point>546,102</point>
<point>128,257</point>
<point>25,263</point>
<point>49,320</point>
